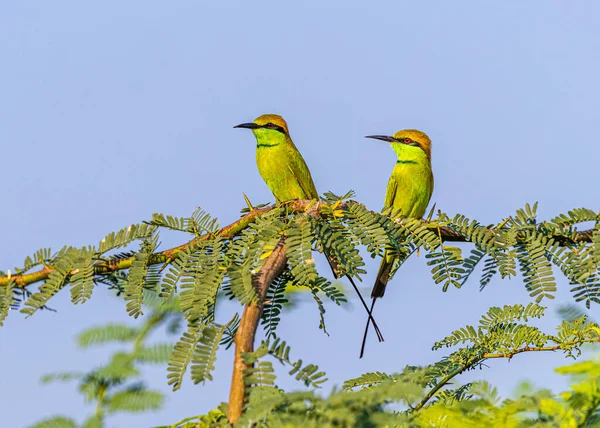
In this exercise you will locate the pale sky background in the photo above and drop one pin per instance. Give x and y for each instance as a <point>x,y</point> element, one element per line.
<point>112,111</point>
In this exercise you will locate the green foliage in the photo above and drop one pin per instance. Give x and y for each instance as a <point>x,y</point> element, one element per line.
<point>274,302</point>
<point>107,333</point>
<point>135,399</point>
<point>82,281</point>
<point>138,277</point>
<point>56,422</point>
<point>6,300</point>
<point>205,354</point>
<point>210,263</point>
<point>447,266</point>
<point>199,285</point>
<point>57,279</point>
<point>308,374</point>
<point>226,263</point>
<point>182,356</point>
<point>115,386</point>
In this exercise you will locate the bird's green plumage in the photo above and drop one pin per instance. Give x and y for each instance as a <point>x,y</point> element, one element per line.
<point>279,162</point>
<point>409,190</point>
<point>282,167</point>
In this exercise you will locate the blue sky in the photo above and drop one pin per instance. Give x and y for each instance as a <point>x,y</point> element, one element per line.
<point>115,110</point>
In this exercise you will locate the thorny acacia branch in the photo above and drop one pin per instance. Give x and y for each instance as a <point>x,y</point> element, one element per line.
<point>295,206</point>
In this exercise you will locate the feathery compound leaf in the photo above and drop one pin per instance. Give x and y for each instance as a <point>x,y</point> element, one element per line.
<point>576,215</point>
<point>169,222</point>
<point>175,273</point>
<point>230,331</point>
<point>331,198</point>
<point>490,268</point>
<point>274,302</point>
<point>308,374</point>
<point>366,380</point>
<point>483,237</point>
<point>579,265</point>
<point>55,422</point>
<point>41,257</point>
<point>589,291</point>
<point>155,354</point>
<point>525,216</point>
<point>82,280</point>
<point>496,315</point>
<point>261,381</point>
<point>470,263</point>
<point>248,252</point>
<point>181,356</point>
<point>299,252</point>
<point>135,399</point>
<point>136,279</point>
<point>201,222</point>
<point>125,237</point>
<point>536,268</point>
<point>507,265</point>
<point>205,354</point>
<point>365,225</point>
<point>6,300</point>
<point>203,276</point>
<point>105,334</point>
<point>497,330</point>
<point>322,311</point>
<point>416,232</point>
<point>570,312</point>
<point>63,265</point>
<point>446,266</point>
<point>337,244</point>
<point>330,290</point>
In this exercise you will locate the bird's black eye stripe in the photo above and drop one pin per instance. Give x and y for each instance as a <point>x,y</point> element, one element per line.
<point>275,127</point>
<point>409,142</point>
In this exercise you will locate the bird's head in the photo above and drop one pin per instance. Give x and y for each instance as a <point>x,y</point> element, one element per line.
<point>267,127</point>
<point>408,137</point>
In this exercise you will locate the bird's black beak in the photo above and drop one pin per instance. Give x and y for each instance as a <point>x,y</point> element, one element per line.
<point>247,125</point>
<point>381,137</point>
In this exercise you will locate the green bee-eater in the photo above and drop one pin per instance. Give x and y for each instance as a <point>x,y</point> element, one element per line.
<point>283,168</point>
<point>279,162</point>
<point>409,190</point>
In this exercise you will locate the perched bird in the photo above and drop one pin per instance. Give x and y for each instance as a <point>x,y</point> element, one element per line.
<point>283,168</point>
<point>409,190</point>
<point>279,162</point>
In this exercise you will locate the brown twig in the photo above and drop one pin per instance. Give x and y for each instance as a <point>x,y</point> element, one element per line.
<point>244,338</point>
<point>486,356</point>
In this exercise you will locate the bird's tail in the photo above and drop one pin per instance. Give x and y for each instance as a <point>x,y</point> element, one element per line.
<point>336,274</point>
<point>383,276</point>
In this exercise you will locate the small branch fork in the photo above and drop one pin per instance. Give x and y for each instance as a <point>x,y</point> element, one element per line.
<point>295,206</point>
<point>486,356</point>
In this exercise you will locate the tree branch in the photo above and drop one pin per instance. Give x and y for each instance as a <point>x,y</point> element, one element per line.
<point>244,338</point>
<point>227,232</point>
<point>486,356</point>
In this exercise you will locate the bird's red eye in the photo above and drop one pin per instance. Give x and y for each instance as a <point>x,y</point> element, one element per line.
<point>270,125</point>
<point>407,140</point>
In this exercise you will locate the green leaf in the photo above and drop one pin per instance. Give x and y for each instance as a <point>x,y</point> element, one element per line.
<point>108,333</point>
<point>55,422</point>
<point>135,400</point>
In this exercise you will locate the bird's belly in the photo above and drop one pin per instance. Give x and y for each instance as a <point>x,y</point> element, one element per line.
<point>414,191</point>
<point>412,204</point>
<point>275,171</point>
